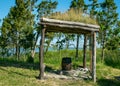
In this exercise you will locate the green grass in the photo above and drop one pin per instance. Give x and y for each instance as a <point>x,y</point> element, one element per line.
<point>22,73</point>
<point>73,15</point>
<point>112,58</point>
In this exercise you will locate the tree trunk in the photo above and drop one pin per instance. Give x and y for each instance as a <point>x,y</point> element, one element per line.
<point>102,58</point>
<point>67,44</point>
<point>17,51</point>
<point>17,46</point>
<point>77,46</point>
<point>34,46</point>
<point>84,51</point>
<point>48,44</point>
<point>103,46</point>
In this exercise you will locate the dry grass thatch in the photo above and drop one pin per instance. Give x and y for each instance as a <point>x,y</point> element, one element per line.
<point>73,15</point>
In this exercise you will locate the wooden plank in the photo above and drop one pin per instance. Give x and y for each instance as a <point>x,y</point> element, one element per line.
<point>94,57</point>
<point>55,21</point>
<point>41,53</point>
<point>84,51</point>
<point>66,30</point>
<point>70,26</point>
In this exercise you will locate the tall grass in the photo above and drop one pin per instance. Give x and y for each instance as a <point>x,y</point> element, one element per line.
<point>73,15</point>
<point>112,58</point>
<point>54,58</point>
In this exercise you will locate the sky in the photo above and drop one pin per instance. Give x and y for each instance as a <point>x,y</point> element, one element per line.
<point>63,5</point>
<point>5,6</point>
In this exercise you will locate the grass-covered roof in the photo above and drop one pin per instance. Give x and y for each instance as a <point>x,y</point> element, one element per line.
<point>70,22</point>
<point>73,15</point>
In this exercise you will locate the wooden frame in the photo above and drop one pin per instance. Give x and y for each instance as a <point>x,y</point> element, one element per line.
<point>52,25</point>
<point>41,53</point>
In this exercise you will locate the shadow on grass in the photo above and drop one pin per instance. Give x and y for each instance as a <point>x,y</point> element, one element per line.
<point>108,82</point>
<point>18,64</point>
<point>25,65</point>
<point>112,64</point>
<point>13,72</point>
<point>51,70</point>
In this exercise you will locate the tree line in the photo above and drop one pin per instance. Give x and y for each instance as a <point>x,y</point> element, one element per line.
<point>20,28</point>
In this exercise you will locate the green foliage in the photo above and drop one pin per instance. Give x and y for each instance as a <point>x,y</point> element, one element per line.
<point>18,25</point>
<point>46,7</point>
<point>63,40</point>
<point>30,59</point>
<point>77,4</point>
<point>112,58</point>
<point>107,18</point>
<point>114,38</point>
<point>93,8</point>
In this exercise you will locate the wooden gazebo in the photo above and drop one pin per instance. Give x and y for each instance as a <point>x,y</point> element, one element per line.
<point>52,25</point>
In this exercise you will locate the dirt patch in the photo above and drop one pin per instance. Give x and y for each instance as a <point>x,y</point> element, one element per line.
<point>79,73</point>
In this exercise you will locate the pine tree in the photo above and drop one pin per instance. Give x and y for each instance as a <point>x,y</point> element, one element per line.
<point>93,8</point>
<point>19,21</point>
<point>46,7</point>
<point>113,42</point>
<point>107,18</point>
<point>3,41</point>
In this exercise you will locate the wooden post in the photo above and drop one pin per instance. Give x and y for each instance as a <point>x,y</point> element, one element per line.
<point>41,52</point>
<point>90,51</point>
<point>94,57</point>
<point>84,51</point>
<point>77,46</point>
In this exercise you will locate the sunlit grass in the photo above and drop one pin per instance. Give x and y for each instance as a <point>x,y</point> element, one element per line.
<point>73,15</point>
<point>21,73</point>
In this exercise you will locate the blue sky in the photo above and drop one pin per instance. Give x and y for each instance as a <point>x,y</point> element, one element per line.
<point>63,5</point>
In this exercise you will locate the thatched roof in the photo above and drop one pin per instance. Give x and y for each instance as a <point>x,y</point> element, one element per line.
<point>53,25</point>
<point>73,15</point>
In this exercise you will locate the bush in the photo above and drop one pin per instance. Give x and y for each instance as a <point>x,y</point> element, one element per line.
<point>112,58</point>
<point>30,59</point>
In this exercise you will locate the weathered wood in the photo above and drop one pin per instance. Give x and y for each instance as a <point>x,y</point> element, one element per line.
<point>74,27</point>
<point>55,21</point>
<point>41,52</point>
<point>90,51</point>
<point>77,46</point>
<point>67,30</point>
<point>84,51</point>
<point>94,57</point>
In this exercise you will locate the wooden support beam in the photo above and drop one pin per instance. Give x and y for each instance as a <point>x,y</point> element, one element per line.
<point>94,57</point>
<point>77,46</point>
<point>90,51</point>
<point>72,26</point>
<point>84,51</point>
<point>41,53</point>
<point>55,21</point>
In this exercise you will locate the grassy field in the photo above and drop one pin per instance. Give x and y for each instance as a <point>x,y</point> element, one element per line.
<point>22,73</point>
